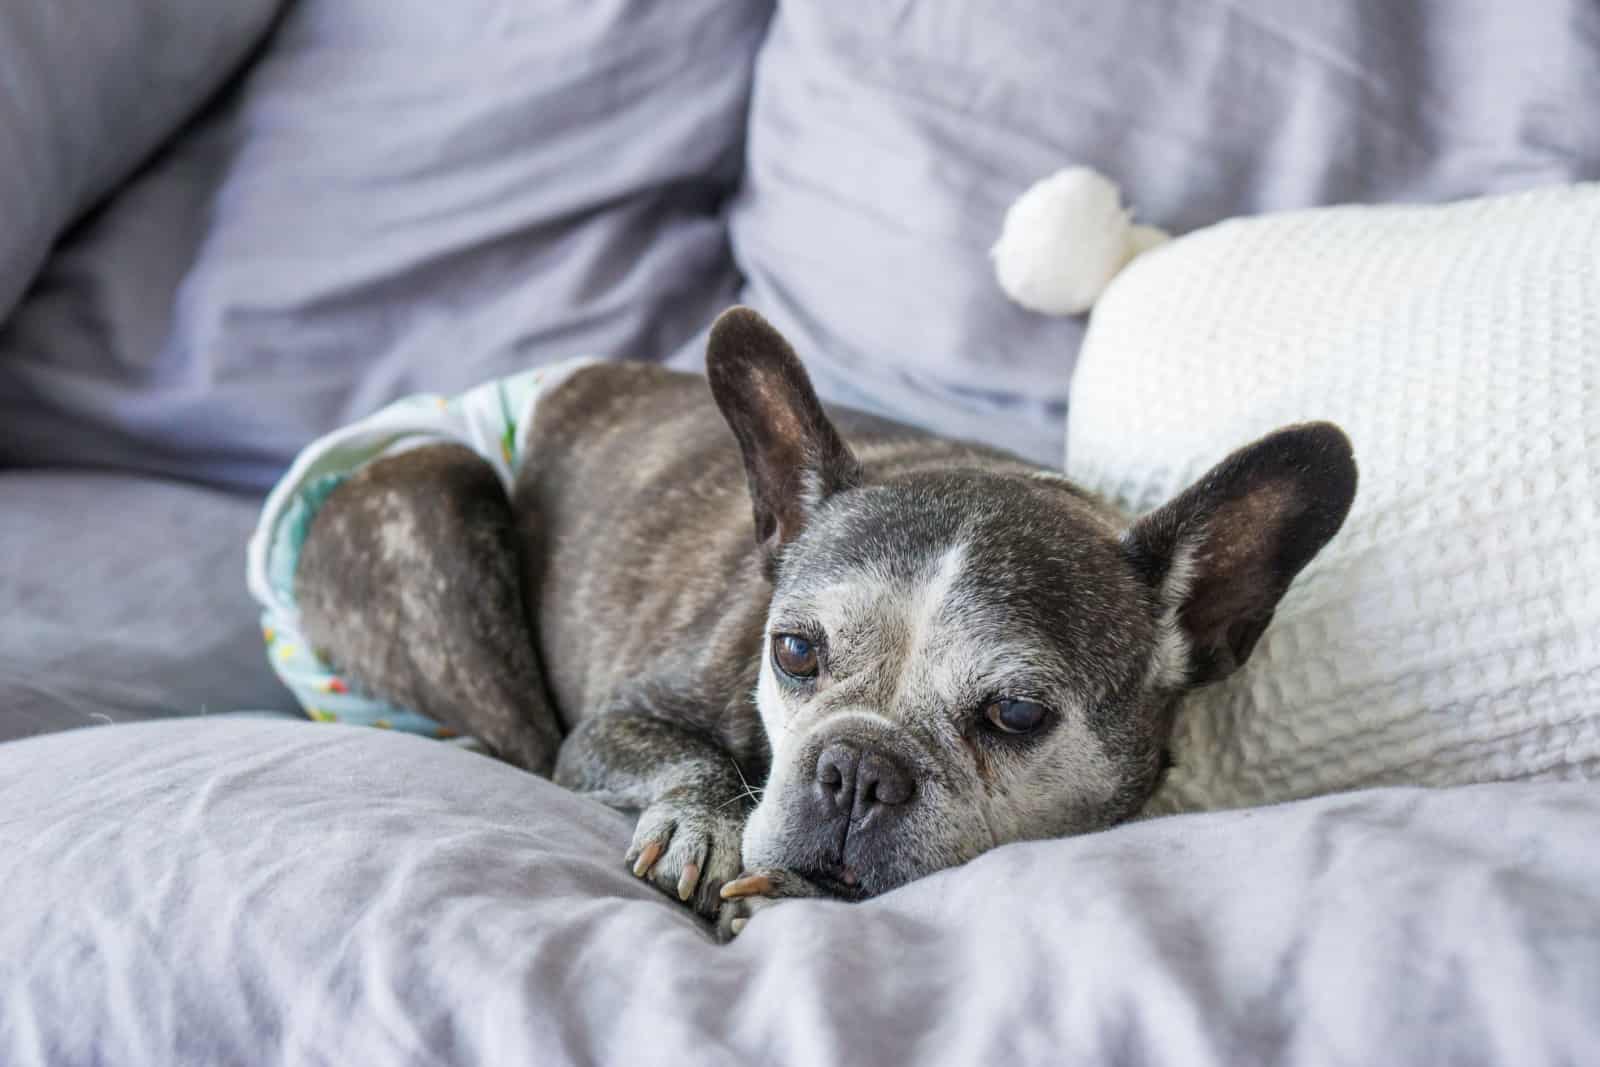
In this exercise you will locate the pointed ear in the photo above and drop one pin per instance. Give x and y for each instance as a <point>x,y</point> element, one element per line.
<point>793,457</point>
<point>1223,552</point>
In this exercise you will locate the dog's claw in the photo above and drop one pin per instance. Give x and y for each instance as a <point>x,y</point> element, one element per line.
<point>688,880</point>
<point>754,890</point>
<point>647,859</point>
<point>751,885</point>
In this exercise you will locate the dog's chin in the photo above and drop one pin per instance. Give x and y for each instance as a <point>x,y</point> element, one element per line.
<point>828,876</point>
<point>842,883</point>
<point>846,879</point>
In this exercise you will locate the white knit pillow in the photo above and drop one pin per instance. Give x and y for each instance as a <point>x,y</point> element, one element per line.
<point>1450,632</point>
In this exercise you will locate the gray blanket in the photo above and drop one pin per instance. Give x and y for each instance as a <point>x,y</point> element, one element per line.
<point>261,892</point>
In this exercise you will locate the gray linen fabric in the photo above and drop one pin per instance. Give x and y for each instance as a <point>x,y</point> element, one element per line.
<point>887,139</point>
<point>402,195</point>
<point>88,88</point>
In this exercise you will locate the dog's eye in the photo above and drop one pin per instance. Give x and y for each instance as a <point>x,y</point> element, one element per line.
<point>1015,716</point>
<point>794,655</point>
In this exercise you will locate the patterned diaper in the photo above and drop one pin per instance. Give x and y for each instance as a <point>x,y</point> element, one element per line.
<point>493,420</point>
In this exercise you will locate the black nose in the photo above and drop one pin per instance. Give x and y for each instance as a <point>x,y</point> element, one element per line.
<point>859,781</point>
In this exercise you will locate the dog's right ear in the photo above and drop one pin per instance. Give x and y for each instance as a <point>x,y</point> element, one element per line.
<point>793,457</point>
<point>1223,552</point>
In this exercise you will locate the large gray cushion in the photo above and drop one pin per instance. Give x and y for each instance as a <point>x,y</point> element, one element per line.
<point>121,599</point>
<point>243,893</point>
<point>402,195</point>
<point>87,89</point>
<point>887,140</point>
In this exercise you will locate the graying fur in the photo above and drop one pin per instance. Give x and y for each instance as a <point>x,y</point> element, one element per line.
<point>620,598</point>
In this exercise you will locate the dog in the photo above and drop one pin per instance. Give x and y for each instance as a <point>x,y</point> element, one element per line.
<point>927,649</point>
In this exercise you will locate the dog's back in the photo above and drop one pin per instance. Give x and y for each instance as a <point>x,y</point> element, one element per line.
<point>640,557</point>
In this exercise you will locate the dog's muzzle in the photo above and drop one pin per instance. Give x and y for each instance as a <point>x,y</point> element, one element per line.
<point>853,808</point>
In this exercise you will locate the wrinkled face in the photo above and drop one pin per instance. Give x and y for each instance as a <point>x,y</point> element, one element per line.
<point>953,662</point>
<point>961,659</point>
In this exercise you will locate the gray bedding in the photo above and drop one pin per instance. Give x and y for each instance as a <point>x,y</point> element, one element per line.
<point>399,196</point>
<point>887,140</point>
<point>245,892</point>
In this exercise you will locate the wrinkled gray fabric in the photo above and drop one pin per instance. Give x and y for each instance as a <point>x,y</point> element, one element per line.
<point>887,139</point>
<point>402,195</point>
<point>121,598</point>
<point>242,893</point>
<point>87,89</point>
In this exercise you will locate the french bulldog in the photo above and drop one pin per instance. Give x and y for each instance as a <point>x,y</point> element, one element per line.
<point>927,649</point>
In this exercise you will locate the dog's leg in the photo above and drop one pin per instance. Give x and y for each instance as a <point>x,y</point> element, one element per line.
<point>408,581</point>
<point>692,797</point>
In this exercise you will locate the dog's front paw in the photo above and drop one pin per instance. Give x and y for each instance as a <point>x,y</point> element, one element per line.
<point>754,890</point>
<point>689,849</point>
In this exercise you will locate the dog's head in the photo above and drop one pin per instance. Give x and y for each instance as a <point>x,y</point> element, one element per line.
<point>961,657</point>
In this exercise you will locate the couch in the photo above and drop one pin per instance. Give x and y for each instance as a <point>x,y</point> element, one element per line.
<point>233,228</point>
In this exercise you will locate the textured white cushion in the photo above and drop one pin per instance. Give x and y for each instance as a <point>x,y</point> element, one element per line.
<point>1451,632</point>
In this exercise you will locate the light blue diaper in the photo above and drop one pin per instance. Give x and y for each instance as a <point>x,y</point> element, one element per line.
<point>494,420</point>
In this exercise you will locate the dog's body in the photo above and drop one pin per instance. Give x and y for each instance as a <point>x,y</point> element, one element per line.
<point>929,648</point>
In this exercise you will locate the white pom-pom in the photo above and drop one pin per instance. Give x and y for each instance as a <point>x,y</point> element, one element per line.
<point>1063,241</point>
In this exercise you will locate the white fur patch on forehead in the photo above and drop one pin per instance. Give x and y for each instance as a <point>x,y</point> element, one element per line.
<point>929,598</point>
<point>882,624</point>
<point>932,593</point>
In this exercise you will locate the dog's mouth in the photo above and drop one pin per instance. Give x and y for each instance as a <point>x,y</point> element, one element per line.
<point>841,882</point>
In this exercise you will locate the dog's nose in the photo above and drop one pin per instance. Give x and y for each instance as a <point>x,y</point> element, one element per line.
<point>858,781</point>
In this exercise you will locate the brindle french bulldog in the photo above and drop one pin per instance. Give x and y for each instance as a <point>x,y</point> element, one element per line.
<point>928,649</point>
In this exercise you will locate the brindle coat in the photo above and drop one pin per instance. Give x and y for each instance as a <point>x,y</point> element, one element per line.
<point>614,619</point>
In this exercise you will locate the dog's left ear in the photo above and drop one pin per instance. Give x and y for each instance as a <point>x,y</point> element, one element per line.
<point>793,457</point>
<point>1223,552</point>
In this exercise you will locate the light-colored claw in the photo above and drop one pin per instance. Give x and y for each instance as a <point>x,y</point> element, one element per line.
<point>737,925</point>
<point>688,880</point>
<point>754,885</point>
<point>647,859</point>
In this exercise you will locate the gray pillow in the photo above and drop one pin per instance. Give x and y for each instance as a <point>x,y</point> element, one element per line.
<point>87,89</point>
<point>401,196</point>
<point>123,598</point>
<point>236,892</point>
<point>887,141</point>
